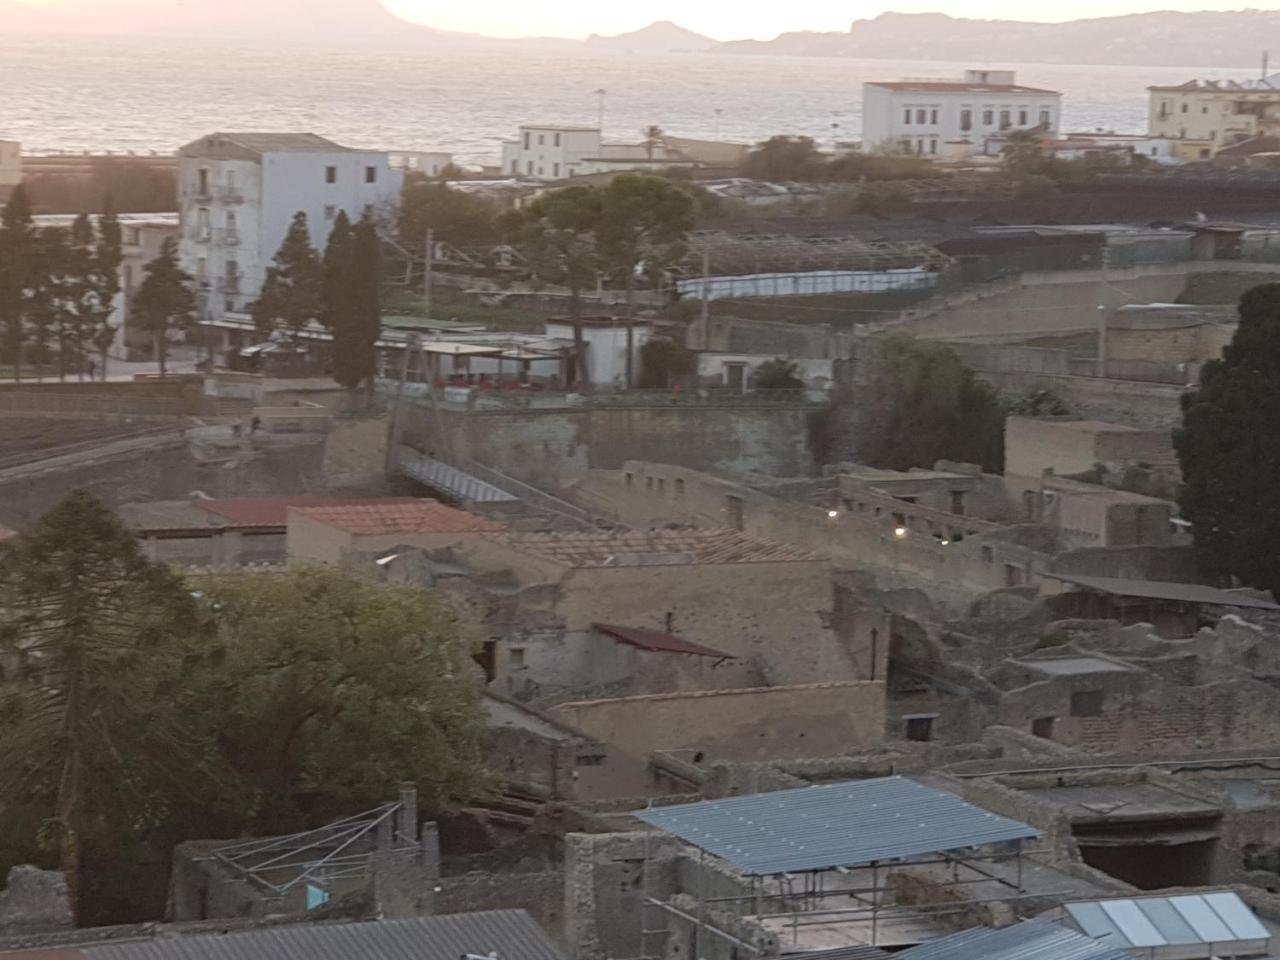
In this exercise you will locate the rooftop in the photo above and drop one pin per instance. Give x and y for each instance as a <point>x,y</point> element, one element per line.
<point>658,642</point>
<point>1029,940</point>
<point>260,143</point>
<point>654,548</point>
<point>1159,590</point>
<point>956,86</point>
<point>559,127</point>
<point>6,533</point>
<point>1118,802</point>
<point>835,825</point>
<point>1215,918</point>
<point>239,513</point>
<point>508,934</point>
<point>398,517</point>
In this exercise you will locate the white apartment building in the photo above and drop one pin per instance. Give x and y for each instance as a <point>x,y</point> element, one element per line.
<point>238,193</point>
<point>924,116</point>
<point>550,152</point>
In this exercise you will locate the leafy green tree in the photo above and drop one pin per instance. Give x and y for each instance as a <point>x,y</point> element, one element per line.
<point>462,219</point>
<point>665,362</point>
<point>1023,153</point>
<point>643,224</point>
<point>97,727</point>
<point>1229,449</point>
<point>558,235</point>
<point>292,290</point>
<point>50,312</point>
<point>332,686</point>
<point>18,265</point>
<point>104,282</point>
<point>165,304</point>
<point>929,406</point>
<point>336,273</point>
<point>777,374</point>
<point>785,158</point>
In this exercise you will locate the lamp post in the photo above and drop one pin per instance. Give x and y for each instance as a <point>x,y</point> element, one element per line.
<point>600,109</point>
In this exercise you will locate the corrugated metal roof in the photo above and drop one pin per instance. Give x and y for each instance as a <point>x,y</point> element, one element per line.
<point>508,934</point>
<point>1030,940</point>
<point>1204,918</point>
<point>857,951</point>
<point>659,642</point>
<point>834,825</point>
<point>1159,590</point>
<point>452,481</point>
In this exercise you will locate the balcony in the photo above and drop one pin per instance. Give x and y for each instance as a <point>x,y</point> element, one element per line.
<point>229,195</point>
<point>226,237</point>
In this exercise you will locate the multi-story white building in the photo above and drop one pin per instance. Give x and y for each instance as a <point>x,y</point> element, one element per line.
<point>559,152</point>
<point>1218,112</point>
<point>238,193</point>
<point>925,116</point>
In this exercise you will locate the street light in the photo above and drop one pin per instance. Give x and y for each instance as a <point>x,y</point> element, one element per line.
<point>600,111</point>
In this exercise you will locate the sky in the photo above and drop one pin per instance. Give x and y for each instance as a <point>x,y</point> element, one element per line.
<point>740,19</point>
<point>721,19</point>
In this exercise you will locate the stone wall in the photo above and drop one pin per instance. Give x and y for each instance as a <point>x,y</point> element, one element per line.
<point>34,901</point>
<point>549,448</point>
<point>769,723</point>
<point>355,451</point>
<point>541,893</point>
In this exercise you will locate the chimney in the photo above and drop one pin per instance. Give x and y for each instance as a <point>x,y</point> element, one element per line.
<point>407,818</point>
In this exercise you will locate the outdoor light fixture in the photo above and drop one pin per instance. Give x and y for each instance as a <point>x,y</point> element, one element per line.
<point>833,514</point>
<point>899,532</point>
<point>384,560</point>
<point>945,542</point>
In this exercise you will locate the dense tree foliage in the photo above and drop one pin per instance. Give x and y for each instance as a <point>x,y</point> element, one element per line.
<point>138,709</point>
<point>1229,450</point>
<point>799,159</point>
<point>643,225</point>
<point>132,184</point>
<point>97,728</point>
<point>664,363</point>
<point>351,299</point>
<point>929,406</point>
<point>292,291</point>
<point>777,374</point>
<point>164,304</point>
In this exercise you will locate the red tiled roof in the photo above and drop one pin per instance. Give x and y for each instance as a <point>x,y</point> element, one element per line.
<point>249,512</point>
<point>658,642</point>
<point>381,517</point>
<point>958,86</point>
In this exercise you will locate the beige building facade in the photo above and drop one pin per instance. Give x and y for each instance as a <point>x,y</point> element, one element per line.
<point>1216,112</point>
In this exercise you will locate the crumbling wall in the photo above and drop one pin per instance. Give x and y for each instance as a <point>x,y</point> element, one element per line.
<point>605,890</point>
<point>541,893</point>
<point>34,901</point>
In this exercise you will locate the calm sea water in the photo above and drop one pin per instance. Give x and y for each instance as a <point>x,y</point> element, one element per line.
<point>92,94</point>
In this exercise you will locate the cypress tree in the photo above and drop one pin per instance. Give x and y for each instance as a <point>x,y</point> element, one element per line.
<point>17,264</point>
<point>1229,450</point>
<point>358,324</point>
<point>165,303</point>
<point>108,254</point>
<point>292,292</point>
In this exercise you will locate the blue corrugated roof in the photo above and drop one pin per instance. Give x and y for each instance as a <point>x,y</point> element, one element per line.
<point>835,825</point>
<point>1194,918</point>
<point>1029,940</point>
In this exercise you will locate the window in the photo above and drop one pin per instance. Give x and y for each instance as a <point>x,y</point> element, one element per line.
<point>1164,109</point>
<point>557,140</point>
<point>988,555</point>
<point>933,146</point>
<point>370,174</point>
<point>231,180</point>
<point>232,223</point>
<point>966,120</point>
<point>1012,575</point>
<point>202,223</point>
<point>920,727</point>
<point>202,182</point>
<point>1204,109</point>
<point>1045,120</point>
<point>1042,727</point>
<point>555,170</point>
<point>957,502</point>
<point>515,166</point>
<point>679,486</point>
<point>133,236</point>
<point>542,139</point>
<point>631,477</point>
<point>648,483</point>
<point>330,211</point>
<point>1204,153</point>
<point>734,507</point>
<point>529,167</point>
<point>330,174</point>
<point>202,270</point>
<point>920,115</point>
<point>906,115</point>
<point>933,117</point>
<point>988,118</point>
<point>233,276</point>
<point>1184,108</point>
<point>1005,122</point>
<point>541,171</point>
<point>1087,703</point>
<point>1022,118</point>
<point>526,139</point>
<point>662,485</point>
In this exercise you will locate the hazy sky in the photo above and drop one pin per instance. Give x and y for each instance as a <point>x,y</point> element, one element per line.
<point>722,19</point>
<point>733,19</point>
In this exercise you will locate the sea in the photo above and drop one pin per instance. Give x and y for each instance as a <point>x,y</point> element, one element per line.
<point>145,94</point>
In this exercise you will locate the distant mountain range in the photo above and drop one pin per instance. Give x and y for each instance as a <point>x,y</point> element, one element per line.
<point>1196,40</point>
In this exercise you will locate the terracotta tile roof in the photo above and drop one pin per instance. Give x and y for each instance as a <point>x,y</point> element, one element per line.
<point>958,86</point>
<point>249,512</point>
<point>374,518</point>
<point>654,548</point>
<point>659,642</point>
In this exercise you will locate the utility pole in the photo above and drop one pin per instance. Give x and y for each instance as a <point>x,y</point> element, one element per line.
<point>704,341</point>
<point>427,259</point>
<point>600,109</point>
